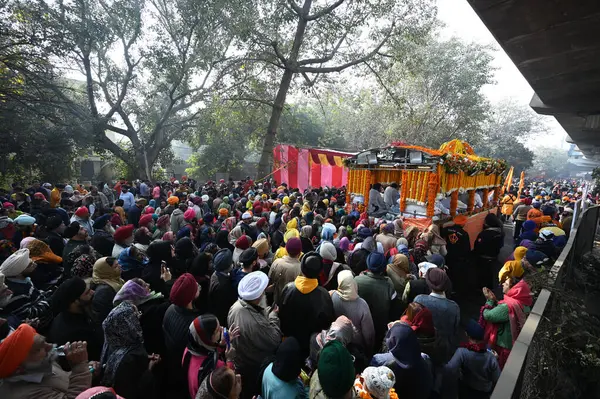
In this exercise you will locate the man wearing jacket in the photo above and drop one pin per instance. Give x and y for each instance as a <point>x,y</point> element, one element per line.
<point>306,307</point>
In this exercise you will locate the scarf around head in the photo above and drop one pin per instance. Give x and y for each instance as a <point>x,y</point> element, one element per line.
<point>135,293</point>
<point>516,299</point>
<point>103,273</point>
<point>129,262</point>
<point>39,251</point>
<point>347,287</point>
<point>122,334</point>
<point>341,330</point>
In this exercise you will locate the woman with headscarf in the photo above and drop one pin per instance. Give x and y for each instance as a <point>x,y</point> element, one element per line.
<point>234,234</point>
<point>398,269</point>
<point>127,366</point>
<point>206,236</point>
<point>420,319</point>
<point>437,245</point>
<point>357,260</point>
<point>398,228</point>
<point>421,248</point>
<point>387,238</point>
<point>513,268</point>
<point>413,375</point>
<point>342,329</point>
<point>153,306</point>
<point>106,282</point>
<point>411,233</point>
<point>305,237</point>
<point>346,302</point>
<point>205,351</point>
<point>504,320</point>
<point>83,266</point>
<point>132,262</point>
<point>185,252</point>
<point>281,378</point>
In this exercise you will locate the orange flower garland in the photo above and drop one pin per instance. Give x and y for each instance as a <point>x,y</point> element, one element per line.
<point>453,203</point>
<point>486,195</point>
<point>432,190</point>
<point>471,203</point>
<point>404,190</point>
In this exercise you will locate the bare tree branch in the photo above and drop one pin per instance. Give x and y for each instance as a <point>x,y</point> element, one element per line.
<point>324,11</point>
<point>328,57</point>
<point>357,61</point>
<point>295,7</point>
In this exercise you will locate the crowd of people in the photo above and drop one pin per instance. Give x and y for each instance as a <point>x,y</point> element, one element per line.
<point>243,290</point>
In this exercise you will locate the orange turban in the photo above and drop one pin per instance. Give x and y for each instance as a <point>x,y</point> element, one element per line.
<point>172,200</point>
<point>15,349</point>
<point>460,220</point>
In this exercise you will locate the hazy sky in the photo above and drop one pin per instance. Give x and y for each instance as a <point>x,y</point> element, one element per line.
<point>463,22</point>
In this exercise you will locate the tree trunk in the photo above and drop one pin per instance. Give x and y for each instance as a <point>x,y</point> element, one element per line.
<point>284,86</point>
<point>267,151</point>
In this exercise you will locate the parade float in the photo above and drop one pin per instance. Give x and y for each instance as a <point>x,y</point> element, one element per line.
<point>427,175</point>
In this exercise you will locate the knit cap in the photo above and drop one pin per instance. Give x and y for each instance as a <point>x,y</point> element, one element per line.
<point>311,265</point>
<point>379,381</point>
<point>293,246</point>
<point>336,369</point>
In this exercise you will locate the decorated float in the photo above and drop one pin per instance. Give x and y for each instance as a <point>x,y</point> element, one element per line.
<point>427,175</point>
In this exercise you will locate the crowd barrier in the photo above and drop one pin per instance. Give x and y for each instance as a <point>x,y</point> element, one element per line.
<point>581,241</point>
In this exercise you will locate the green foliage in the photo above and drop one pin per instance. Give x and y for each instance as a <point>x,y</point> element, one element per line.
<point>550,162</point>
<point>507,127</point>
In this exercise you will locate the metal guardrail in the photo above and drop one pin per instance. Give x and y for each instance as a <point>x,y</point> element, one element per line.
<point>581,241</point>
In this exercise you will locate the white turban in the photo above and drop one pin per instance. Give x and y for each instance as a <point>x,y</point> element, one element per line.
<point>424,267</point>
<point>252,286</point>
<point>16,263</point>
<point>327,251</point>
<point>205,198</point>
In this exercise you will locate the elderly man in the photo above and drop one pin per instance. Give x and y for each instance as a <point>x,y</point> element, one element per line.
<point>27,302</point>
<point>260,334</point>
<point>29,369</point>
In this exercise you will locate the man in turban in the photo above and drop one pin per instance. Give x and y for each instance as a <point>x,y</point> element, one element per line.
<point>29,369</point>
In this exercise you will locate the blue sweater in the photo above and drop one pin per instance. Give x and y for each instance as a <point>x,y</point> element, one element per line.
<point>480,371</point>
<point>446,317</point>
<point>273,387</point>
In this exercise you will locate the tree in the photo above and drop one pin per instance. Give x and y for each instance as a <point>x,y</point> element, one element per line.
<point>434,94</point>
<point>507,127</point>
<point>550,162</point>
<point>319,38</point>
<point>148,65</point>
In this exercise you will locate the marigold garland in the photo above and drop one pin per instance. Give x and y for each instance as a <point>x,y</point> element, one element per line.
<point>404,190</point>
<point>453,203</point>
<point>471,203</point>
<point>431,194</point>
<point>486,195</point>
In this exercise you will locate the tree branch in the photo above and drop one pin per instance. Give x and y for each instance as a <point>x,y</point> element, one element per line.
<point>295,7</point>
<point>278,53</point>
<point>340,68</point>
<point>327,58</point>
<point>324,11</point>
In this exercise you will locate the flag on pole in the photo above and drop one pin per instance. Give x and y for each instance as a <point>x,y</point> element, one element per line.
<point>521,183</point>
<point>508,180</point>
